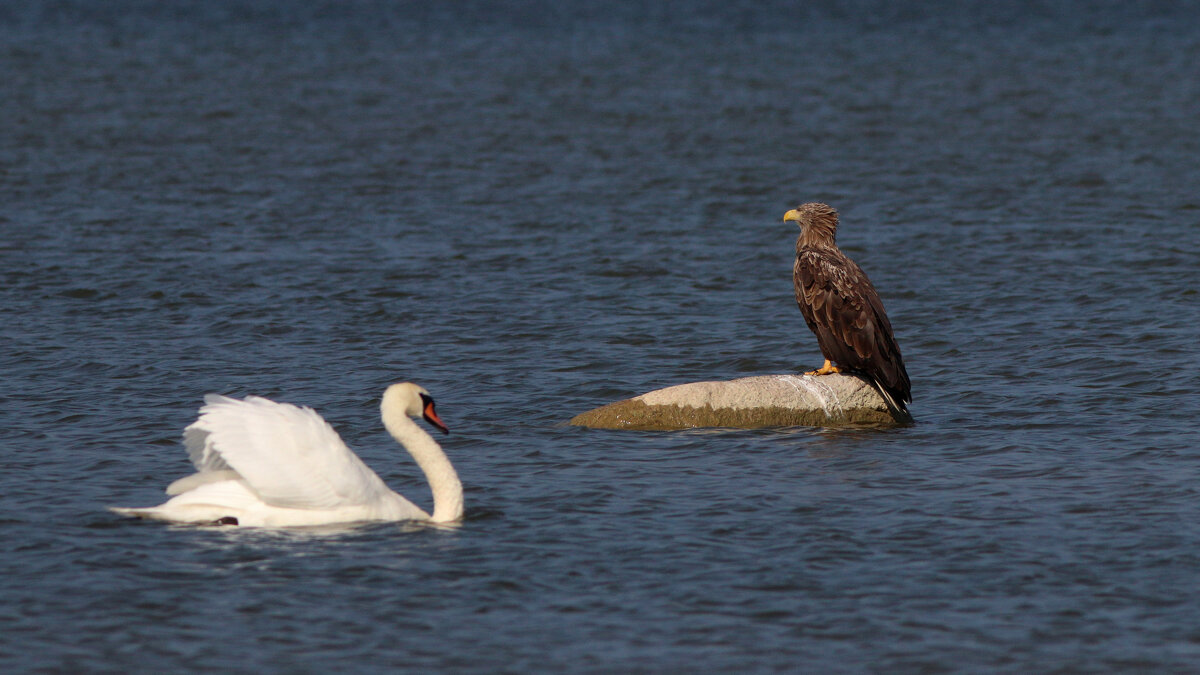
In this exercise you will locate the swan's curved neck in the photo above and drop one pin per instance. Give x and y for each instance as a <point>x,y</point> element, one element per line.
<point>443,479</point>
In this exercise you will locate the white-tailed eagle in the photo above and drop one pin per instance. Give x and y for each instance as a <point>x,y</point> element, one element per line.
<point>841,306</point>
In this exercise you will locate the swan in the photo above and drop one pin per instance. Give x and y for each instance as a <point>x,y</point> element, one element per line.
<point>265,464</point>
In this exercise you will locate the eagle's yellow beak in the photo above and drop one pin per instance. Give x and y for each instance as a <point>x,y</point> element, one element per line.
<point>792,215</point>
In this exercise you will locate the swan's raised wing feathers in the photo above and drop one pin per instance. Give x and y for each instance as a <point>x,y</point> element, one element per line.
<point>288,455</point>
<point>195,439</point>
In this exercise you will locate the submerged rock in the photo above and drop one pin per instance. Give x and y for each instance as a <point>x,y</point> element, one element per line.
<point>748,402</point>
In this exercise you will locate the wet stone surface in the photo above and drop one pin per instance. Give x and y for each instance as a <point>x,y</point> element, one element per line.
<point>748,403</point>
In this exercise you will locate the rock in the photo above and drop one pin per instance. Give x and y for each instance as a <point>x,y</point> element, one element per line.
<point>749,402</point>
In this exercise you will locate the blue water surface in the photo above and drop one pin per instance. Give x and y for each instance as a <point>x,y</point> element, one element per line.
<point>533,209</point>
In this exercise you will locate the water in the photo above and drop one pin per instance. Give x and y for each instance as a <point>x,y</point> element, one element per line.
<point>533,210</point>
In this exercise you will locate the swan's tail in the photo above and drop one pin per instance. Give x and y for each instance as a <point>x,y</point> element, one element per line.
<point>145,512</point>
<point>157,513</point>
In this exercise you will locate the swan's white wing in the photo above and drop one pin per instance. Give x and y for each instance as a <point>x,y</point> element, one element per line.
<point>195,439</point>
<point>289,456</point>
<point>189,483</point>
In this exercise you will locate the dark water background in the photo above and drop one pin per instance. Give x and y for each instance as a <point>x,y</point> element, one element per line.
<point>536,208</point>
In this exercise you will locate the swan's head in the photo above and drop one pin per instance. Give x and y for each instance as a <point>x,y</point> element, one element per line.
<point>410,400</point>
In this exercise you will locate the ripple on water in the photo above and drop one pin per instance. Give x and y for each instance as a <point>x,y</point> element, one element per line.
<point>309,206</point>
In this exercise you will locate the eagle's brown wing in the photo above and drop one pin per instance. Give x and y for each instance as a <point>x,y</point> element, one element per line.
<point>842,308</point>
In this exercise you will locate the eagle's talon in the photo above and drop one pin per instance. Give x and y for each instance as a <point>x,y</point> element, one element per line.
<point>825,369</point>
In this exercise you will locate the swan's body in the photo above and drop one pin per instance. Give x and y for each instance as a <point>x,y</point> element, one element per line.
<point>265,464</point>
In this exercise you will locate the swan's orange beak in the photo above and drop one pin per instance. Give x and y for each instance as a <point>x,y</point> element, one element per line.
<point>432,418</point>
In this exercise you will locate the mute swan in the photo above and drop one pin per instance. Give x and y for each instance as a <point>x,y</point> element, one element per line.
<point>265,464</point>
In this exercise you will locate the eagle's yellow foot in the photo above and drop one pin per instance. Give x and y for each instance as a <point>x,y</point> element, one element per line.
<point>825,369</point>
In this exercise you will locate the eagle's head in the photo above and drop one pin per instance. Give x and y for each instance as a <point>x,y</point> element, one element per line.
<point>817,221</point>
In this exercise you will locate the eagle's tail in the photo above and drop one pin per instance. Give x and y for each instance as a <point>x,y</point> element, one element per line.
<point>898,408</point>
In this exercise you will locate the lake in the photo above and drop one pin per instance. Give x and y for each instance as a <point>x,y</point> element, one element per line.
<point>536,208</point>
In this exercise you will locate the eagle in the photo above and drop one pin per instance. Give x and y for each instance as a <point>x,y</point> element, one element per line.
<point>841,307</point>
